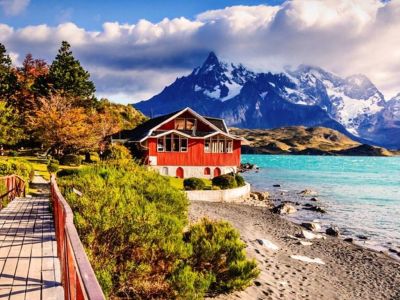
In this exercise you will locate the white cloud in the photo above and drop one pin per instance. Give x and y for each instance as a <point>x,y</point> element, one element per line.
<point>135,61</point>
<point>14,7</point>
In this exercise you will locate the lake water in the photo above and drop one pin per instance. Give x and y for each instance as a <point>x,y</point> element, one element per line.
<point>361,194</point>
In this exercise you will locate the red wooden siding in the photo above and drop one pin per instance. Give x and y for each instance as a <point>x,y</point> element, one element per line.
<point>195,156</point>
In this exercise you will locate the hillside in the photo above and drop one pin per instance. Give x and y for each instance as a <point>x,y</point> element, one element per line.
<point>304,141</point>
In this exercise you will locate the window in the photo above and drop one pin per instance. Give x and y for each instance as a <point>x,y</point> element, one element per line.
<point>184,144</point>
<point>185,124</point>
<point>160,144</point>
<point>218,144</point>
<point>207,171</point>
<point>172,143</point>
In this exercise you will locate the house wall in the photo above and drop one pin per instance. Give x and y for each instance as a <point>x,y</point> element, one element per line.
<point>197,172</point>
<point>195,156</point>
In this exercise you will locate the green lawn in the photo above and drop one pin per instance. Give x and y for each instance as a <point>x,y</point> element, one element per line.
<point>178,182</point>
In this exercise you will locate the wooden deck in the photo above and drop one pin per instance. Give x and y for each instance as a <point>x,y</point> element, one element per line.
<point>29,265</point>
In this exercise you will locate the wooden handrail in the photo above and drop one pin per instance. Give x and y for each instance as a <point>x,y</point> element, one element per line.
<point>78,278</point>
<point>14,187</point>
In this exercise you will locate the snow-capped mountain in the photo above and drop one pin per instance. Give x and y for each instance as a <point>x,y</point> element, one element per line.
<point>308,96</point>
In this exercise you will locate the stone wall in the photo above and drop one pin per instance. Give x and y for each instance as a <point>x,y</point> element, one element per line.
<point>230,195</point>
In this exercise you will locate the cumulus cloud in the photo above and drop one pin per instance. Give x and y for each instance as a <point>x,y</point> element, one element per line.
<point>131,62</point>
<point>14,7</point>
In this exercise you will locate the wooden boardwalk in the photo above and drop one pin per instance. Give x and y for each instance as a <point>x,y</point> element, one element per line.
<point>29,267</point>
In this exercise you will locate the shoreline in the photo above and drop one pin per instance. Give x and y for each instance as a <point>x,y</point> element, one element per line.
<point>279,196</point>
<point>349,271</point>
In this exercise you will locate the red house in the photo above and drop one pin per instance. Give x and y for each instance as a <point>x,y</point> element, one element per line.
<point>185,144</point>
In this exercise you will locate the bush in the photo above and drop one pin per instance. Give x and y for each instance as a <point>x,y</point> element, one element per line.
<point>67,172</point>
<point>239,180</point>
<point>224,181</point>
<point>13,153</point>
<point>94,157</point>
<point>18,167</point>
<point>191,184</point>
<point>71,160</point>
<point>53,166</point>
<point>218,251</point>
<point>131,222</point>
<point>117,152</point>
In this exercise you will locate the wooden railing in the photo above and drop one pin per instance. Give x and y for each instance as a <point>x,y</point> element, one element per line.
<point>78,278</point>
<point>10,187</point>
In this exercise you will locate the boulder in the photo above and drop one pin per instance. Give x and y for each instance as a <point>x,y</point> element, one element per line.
<point>254,196</point>
<point>348,240</point>
<point>314,199</point>
<point>308,192</point>
<point>284,209</point>
<point>276,185</point>
<point>332,231</point>
<point>309,235</point>
<point>315,208</point>
<point>362,237</point>
<point>260,195</point>
<point>311,226</point>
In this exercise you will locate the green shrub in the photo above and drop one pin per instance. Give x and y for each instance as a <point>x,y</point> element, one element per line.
<point>218,251</point>
<point>239,180</point>
<point>117,152</point>
<point>132,221</point>
<point>191,184</point>
<point>53,166</point>
<point>13,153</point>
<point>67,172</point>
<point>94,157</point>
<point>224,181</point>
<point>71,160</point>
<point>18,167</point>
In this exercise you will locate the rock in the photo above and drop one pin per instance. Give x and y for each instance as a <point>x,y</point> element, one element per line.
<point>268,244</point>
<point>348,240</point>
<point>254,196</point>
<point>284,209</point>
<point>395,251</point>
<point>311,226</point>
<point>304,243</point>
<point>308,259</point>
<point>276,185</point>
<point>315,208</point>
<point>314,199</point>
<point>260,195</point>
<point>307,192</point>
<point>332,231</point>
<point>309,235</point>
<point>362,237</point>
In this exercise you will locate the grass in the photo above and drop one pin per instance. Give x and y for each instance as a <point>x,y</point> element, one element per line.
<point>178,182</point>
<point>39,165</point>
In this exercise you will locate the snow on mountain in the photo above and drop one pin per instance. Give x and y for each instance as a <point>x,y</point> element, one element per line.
<point>307,95</point>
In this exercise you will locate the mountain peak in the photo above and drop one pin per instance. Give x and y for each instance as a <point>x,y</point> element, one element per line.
<point>212,59</point>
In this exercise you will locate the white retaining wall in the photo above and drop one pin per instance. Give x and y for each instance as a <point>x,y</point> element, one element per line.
<point>230,195</point>
<point>193,171</point>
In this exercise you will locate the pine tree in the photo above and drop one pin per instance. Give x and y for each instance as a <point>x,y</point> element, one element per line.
<point>8,80</point>
<point>69,79</point>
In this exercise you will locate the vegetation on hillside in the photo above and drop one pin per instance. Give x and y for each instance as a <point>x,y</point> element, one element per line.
<point>302,140</point>
<point>134,226</point>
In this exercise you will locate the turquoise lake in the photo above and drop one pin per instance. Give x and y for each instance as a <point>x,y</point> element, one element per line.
<point>361,194</point>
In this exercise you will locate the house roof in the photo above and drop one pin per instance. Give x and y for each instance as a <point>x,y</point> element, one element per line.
<point>149,128</point>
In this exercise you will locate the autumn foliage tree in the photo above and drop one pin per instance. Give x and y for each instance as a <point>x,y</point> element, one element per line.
<point>63,127</point>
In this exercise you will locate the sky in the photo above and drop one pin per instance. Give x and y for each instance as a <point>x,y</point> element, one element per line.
<point>133,49</point>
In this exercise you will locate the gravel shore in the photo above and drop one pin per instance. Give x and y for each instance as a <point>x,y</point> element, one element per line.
<point>348,272</point>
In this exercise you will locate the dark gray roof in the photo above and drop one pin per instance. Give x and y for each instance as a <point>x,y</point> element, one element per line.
<point>217,122</point>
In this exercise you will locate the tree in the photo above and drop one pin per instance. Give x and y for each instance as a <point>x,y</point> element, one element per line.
<point>69,79</point>
<point>8,80</point>
<point>62,127</point>
<point>26,94</point>
<point>10,131</point>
